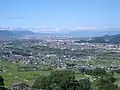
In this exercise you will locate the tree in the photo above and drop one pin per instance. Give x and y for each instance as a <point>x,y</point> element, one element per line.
<point>98,72</point>
<point>43,82</point>
<point>61,80</point>
<point>111,78</point>
<point>85,83</point>
<point>1,81</point>
<point>104,83</point>
<point>2,84</point>
<point>94,72</point>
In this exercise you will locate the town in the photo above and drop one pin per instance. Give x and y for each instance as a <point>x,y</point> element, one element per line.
<point>63,53</point>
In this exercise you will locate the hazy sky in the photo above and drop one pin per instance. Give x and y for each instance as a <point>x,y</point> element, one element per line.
<point>60,13</point>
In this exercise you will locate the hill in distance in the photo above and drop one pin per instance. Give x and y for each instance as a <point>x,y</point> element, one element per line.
<point>110,39</point>
<point>19,33</point>
<point>5,33</point>
<point>98,36</point>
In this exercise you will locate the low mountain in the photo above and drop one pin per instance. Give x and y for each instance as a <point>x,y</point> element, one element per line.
<point>110,39</point>
<point>5,33</point>
<point>22,32</point>
<point>92,33</point>
<point>115,39</point>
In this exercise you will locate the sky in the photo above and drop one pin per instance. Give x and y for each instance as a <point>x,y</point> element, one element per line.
<point>60,13</point>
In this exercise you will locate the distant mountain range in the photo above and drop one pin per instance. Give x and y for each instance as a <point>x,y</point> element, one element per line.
<point>74,33</point>
<point>8,33</point>
<point>93,33</point>
<point>5,33</point>
<point>110,39</point>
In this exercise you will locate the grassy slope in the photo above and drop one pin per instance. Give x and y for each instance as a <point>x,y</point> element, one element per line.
<point>27,77</point>
<point>11,75</point>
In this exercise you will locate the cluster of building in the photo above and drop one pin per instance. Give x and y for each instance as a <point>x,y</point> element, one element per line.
<point>57,53</point>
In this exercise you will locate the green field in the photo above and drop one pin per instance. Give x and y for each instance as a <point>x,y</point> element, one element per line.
<point>12,76</point>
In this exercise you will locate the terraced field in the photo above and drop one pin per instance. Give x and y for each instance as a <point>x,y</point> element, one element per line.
<point>11,75</point>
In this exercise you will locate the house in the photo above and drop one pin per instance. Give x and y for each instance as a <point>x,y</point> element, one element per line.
<point>20,86</point>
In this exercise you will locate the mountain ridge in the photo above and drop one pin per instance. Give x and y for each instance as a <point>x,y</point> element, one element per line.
<point>73,33</point>
<point>109,39</point>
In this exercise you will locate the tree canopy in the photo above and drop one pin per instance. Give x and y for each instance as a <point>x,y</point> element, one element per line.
<point>105,83</point>
<point>61,80</point>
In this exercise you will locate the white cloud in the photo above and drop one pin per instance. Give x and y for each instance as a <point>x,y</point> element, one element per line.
<point>90,28</point>
<point>86,28</point>
<point>62,30</point>
<point>46,30</point>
